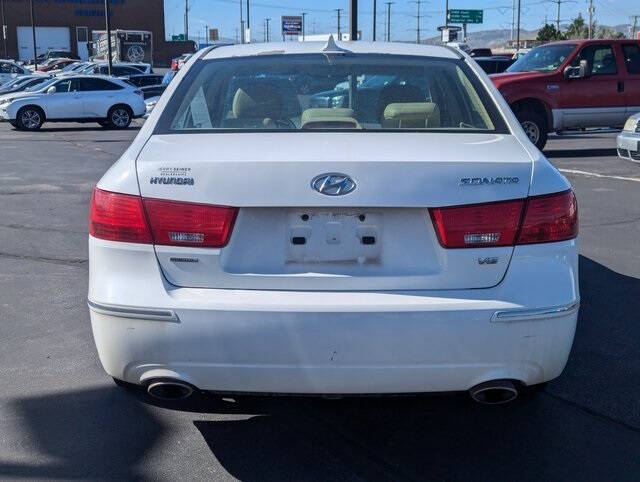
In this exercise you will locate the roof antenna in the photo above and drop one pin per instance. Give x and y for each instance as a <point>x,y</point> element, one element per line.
<point>332,49</point>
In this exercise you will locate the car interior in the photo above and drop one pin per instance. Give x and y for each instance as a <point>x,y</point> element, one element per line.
<point>419,99</point>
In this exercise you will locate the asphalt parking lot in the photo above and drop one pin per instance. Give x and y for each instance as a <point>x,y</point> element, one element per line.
<point>61,416</point>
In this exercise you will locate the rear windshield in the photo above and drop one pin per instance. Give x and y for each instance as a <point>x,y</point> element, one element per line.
<point>329,92</point>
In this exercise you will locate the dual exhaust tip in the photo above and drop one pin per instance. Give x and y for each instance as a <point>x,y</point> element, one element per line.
<point>494,392</point>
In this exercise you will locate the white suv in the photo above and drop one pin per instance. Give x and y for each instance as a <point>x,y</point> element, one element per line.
<point>10,70</point>
<point>268,232</point>
<point>108,101</point>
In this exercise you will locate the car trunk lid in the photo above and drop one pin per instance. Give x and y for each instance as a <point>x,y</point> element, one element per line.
<point>378,237</point>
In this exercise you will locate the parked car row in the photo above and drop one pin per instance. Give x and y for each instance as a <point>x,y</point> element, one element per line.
<point>80,92</point>
<point>109,101</point>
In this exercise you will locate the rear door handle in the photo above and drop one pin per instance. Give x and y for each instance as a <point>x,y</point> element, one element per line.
<point>620,86</point>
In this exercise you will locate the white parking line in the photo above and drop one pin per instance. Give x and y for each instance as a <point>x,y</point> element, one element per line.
<point>595,174</point>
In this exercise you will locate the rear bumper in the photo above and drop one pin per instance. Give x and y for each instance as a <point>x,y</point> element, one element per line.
<point>333,342</point>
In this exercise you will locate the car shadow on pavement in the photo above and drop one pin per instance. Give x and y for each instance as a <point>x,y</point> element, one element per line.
<point>580,153</point>
<point>565,432</point>
<point>87,129</point>
<point>94,433</point>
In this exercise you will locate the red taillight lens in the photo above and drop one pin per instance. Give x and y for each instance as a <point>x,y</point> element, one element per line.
<point>189,224</point>
<point>478,225</point>
<point>118,217</point>
<point>550,218</point>
<point>121,217</point>
<point>540,219</point>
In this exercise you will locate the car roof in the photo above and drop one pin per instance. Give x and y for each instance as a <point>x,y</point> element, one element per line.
<point>591,41</point>
<point>359,47</point>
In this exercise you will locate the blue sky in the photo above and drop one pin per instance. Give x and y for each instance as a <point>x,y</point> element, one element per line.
<point>225,15</point>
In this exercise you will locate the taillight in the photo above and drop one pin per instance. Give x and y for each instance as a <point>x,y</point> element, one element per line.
<point>189,224</point>
<point>539,219</point>
<point>118,217</point>
<point>478,225</point>
<point>550,218</point>
<point>133,219</point>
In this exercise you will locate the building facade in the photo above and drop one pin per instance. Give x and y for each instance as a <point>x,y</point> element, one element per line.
<point>69,25</point>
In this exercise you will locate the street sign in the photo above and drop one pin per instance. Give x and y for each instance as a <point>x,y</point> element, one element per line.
<point>177,38</point>
<point>465,16</point>
<point>213,35</point>
<point>291,25</point>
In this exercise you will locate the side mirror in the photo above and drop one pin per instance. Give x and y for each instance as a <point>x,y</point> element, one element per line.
<point>52,90</point>
<point>580,72</point>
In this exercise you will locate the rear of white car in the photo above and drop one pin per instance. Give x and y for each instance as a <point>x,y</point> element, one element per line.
<point>404,238</point>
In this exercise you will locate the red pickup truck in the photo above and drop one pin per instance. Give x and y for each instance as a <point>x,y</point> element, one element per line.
<point>573,84</point>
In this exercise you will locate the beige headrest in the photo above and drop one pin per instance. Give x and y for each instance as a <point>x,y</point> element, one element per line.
<point>256,101</point>
<point>412,115</point>
<point>328,118</point>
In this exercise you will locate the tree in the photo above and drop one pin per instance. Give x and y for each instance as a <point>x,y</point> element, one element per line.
<point>608,33</point>
<point>548,33</point>
<point>577,29</point>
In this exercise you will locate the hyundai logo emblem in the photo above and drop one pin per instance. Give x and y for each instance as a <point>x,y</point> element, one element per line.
<point>333,184</point>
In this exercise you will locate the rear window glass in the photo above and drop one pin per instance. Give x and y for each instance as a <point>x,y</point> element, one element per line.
<point>315,91</point>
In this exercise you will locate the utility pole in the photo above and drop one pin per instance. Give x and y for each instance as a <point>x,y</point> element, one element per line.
<point>4,28</point>
<point>418,17</point>
<point>267,20</point>
<point>446,13</point>
<point>635,24</point>
<point>559,2</point>
<point>33,30</point>
<point>353,20</point>
<point>375,18</point>
<point>513,18</point>
<point>518,30</point>
<point>186,19</point>
<point>304,14</point>
<point>339,12</point>
<point>591,11</point>
<point>248,40</point>
<point>389,20</point>
<point>241,23</point>
<point>107,14</point>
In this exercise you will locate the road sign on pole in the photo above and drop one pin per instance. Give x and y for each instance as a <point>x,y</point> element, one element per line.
<point>465,16</point>
<point>214,36</point>
<point>291,25</point>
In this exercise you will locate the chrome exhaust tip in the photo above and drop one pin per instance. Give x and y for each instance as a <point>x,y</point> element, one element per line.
<point>169,389</point>
<point>494,392</point>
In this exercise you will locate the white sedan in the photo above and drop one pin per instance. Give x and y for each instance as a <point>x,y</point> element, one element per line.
<point>106,100</point>
<point>406,237</point>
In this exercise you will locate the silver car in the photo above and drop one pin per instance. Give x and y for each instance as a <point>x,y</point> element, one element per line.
<point>628,141</point>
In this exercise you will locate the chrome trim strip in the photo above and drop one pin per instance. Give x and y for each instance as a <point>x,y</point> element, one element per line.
<point>130,312</point>
<point>511,316</point>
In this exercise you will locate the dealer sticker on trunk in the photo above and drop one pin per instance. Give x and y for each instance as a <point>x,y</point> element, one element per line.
<point>179,176</point>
